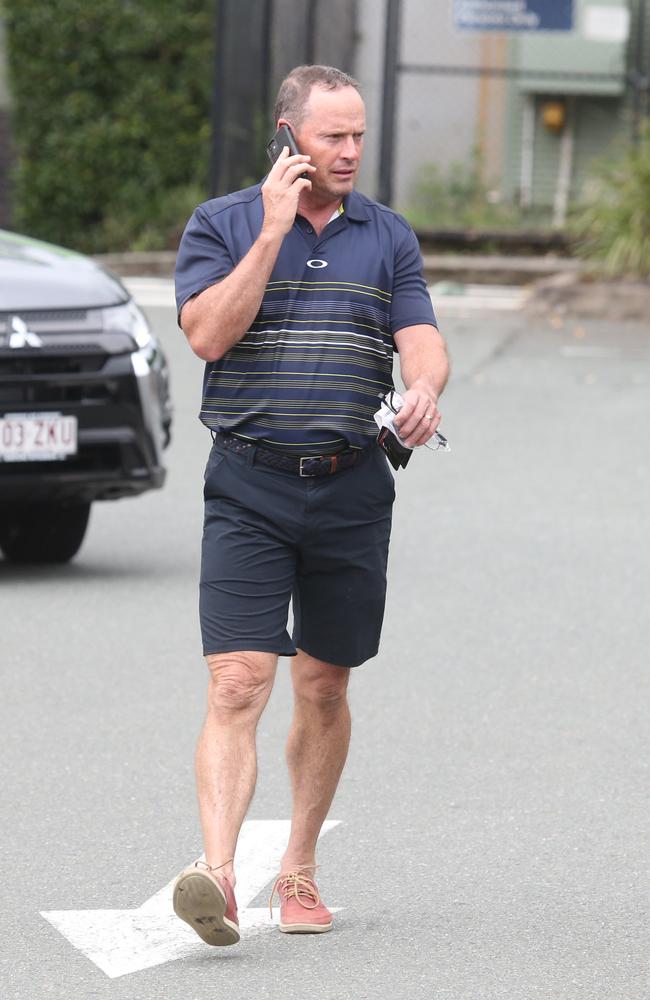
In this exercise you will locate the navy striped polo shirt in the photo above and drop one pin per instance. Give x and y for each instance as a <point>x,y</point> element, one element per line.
<point>307,375</point>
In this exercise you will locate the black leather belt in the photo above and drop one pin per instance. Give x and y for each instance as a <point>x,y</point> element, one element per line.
<point>306,466</point>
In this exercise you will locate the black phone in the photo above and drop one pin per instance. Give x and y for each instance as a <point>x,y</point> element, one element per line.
<point>283,137</point>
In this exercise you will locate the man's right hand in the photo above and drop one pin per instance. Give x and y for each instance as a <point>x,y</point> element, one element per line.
<point>281,191</point>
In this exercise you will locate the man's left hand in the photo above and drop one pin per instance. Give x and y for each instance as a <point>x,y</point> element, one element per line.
<point>419,417</point>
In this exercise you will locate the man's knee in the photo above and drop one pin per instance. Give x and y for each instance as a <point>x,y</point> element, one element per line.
<point>239,682</point>
<point>323,685</point>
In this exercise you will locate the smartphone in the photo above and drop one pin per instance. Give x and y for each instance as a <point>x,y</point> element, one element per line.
<point>283,137</point>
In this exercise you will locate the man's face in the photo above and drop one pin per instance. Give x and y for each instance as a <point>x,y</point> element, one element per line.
<point>332,134</point>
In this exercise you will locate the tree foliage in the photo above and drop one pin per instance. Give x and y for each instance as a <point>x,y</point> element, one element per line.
<point>111,118</point>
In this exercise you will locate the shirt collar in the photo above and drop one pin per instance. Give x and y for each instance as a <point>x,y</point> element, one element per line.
<point>355,208</point>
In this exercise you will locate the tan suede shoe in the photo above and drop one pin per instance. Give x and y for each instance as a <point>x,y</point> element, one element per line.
<point>207,903</point>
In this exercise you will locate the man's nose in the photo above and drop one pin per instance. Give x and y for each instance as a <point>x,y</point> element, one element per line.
<point>350,150</point>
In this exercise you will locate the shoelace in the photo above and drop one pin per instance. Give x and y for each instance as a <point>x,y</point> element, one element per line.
<point>295,884</point>
<point>214,868</point>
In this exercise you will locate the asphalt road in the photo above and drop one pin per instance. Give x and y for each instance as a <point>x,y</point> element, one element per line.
<point>493,836</point>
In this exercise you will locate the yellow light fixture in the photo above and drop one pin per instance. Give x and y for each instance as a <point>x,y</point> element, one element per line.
<point>554,115</point>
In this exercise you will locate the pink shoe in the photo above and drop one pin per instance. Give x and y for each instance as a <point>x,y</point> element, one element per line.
<point>301,908</point>
<point>207,903</point>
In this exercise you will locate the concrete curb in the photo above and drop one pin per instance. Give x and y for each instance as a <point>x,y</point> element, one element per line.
<point>466,268</point>
<point>488,269</point>
<point>581,295</point>
<point>132,264</point>
<point>559,285</point>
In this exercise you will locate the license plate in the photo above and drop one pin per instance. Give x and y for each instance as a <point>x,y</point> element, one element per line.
<point>37,437</point>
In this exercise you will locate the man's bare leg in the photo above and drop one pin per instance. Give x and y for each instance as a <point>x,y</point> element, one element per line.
<point>226,759</point>
<point>316,751</point>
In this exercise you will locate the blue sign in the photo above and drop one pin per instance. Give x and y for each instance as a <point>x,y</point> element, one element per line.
<point>513,15</point>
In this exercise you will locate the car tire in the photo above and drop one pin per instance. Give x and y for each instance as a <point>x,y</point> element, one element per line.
<point>43,533</point>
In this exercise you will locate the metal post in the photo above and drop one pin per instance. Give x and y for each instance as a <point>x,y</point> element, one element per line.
<point>640,70</point>
<point>218,104</point>
<point>644,60</point>
<point>310,32</point>
<point>389,100</point>
<point>527,165</point>
<point>565,167</point>
<point>267,62</point>
<point>239,118</point>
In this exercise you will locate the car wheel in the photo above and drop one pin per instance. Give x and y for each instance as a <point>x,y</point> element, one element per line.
<point>43,533</point>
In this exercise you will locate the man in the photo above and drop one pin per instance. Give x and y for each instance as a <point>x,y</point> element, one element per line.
<point>295,292</point>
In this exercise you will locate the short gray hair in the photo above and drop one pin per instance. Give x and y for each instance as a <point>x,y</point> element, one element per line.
<point>296,87</point>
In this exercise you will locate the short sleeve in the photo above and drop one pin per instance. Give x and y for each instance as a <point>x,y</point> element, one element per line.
<point>411,302</point>
<point>203,258</point>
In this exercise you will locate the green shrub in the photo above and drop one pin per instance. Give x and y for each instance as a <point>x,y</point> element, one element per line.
<point>111,118</point>
<point>457,199</point>
<point>612,224</point>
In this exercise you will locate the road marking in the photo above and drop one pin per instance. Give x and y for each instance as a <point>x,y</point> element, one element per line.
<point>121,942</point>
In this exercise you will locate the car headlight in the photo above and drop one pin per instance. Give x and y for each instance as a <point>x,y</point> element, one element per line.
<point>127,318</point>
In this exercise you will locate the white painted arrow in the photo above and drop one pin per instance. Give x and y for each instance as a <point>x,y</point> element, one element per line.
<point>120,942</point>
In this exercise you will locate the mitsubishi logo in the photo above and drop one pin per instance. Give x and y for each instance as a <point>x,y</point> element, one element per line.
<point>20,336</point>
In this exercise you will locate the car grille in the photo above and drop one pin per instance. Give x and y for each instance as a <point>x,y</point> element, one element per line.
<point>55,320</point>
<point>68,369</point>
<point>25,364</point>
<point>65,376</point>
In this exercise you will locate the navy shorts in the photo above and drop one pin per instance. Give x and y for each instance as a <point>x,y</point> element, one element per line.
<point>270,536</point>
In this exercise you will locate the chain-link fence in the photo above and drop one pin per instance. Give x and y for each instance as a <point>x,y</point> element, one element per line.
<point>467,129</point>
<point>485,129</point>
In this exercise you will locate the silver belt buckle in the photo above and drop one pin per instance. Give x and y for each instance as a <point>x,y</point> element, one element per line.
<point>308,458</point>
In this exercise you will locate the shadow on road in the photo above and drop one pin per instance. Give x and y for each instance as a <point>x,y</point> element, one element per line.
<point>74,573</point>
